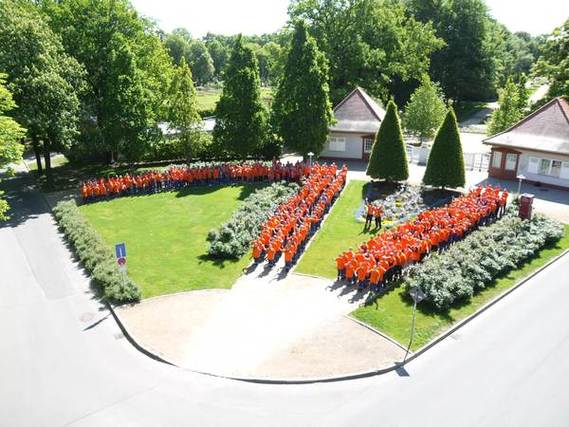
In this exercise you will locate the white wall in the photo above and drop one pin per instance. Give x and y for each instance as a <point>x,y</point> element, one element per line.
<point>524,165</point>
<point>353,146</point>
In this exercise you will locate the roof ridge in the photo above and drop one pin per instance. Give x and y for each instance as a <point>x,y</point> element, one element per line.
<point>531,116</point>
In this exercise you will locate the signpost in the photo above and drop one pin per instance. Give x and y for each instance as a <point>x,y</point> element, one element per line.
<point>120,254</point>
<point>418,295</point>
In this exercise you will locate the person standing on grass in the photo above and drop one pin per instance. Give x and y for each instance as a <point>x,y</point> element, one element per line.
<point>368,209</point>
<point>377,213</point>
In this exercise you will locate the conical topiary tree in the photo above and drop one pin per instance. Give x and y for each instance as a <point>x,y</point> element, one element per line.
<point>445,167</point>
<point>388,159</point>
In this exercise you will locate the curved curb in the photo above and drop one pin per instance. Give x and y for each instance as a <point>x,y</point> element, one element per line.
<point>354,376</point>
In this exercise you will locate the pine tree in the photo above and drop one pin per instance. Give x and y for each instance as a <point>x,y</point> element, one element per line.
<point>445,167</point>
<point>388,159</point>
<point>509,111</point>
<point>241,118</point>
<point>302,112</point>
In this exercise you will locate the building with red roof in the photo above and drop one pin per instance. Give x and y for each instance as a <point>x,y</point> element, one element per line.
<point>536,147</point>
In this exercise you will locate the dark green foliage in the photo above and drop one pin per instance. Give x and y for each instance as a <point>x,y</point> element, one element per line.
<point>388,159</point>
<point>445,167</point>
<point>241,127</point>
<point>554,63</point>
<point>302,111</point>
<point>473,263</point>
<point>233,239</point>
<point>95,255</point>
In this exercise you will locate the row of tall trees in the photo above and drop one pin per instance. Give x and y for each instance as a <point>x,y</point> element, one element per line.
<point>301,112</point>
<point>388,159</point>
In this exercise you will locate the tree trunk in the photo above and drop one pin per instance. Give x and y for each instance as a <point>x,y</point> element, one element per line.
<point>37,152</point>
<point>47,160</point>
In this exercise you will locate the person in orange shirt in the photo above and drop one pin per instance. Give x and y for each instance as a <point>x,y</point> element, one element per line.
<point>341,266</point>
<point>257,252</point>
<point>361,274</point>
<point>377,213</point>
<point>350,272</point>
<point>376,278</point>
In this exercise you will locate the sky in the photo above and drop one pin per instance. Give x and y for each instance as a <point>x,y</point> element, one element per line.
<point>265,16</point>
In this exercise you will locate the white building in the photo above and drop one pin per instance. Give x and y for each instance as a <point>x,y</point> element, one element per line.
<point>358,117</point>
<point>536,147</point>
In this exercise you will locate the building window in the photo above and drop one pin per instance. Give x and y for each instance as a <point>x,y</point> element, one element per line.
<point>548,167</point>
<point>511,160</point>
<point>496,159</point>
<point>565,170</point>
<point>368,144</point>
<point>555,168</point>
<point>337,143</point>
<point>533,164</point>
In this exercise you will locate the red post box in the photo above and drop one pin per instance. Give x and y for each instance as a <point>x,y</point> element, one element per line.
<point>526,203</point>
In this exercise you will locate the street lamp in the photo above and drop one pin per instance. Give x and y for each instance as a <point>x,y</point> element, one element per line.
<point>310,158</point>
<point>520,179</point>
<point>418,295</point>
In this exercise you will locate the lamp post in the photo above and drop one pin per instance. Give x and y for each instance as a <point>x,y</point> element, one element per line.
<point>520,179</point>
<point>418,295</point>
<point>310,158</point>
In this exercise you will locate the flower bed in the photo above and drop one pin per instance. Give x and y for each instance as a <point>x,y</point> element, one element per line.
<point>471,264</point>
<point>234,238</point>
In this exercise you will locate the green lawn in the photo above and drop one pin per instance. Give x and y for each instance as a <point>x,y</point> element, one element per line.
<point>340,231</point>
<point>392,312</point>
<point>208,97</point>
<point>166,234</point>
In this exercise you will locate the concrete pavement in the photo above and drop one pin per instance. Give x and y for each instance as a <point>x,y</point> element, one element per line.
<point>64,361</point>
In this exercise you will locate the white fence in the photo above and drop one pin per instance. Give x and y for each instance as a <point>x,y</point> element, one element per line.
<point>472,161</point>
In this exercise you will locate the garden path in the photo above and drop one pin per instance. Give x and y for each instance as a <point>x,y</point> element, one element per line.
<point>264,327</point>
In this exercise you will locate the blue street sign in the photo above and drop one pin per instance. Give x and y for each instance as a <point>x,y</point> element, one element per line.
<point>120,250</point>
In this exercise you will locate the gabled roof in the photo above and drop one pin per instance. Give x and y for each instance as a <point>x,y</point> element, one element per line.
<point>546,129</point>
<point>358,112</point>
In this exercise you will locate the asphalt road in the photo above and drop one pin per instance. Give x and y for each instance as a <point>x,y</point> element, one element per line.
<point>63,360</point>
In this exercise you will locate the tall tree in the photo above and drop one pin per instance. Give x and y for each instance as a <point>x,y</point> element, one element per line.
<point>554,63</point>
<point>183,110</point>
<point>466,67</point>
<point>11,133</point>
<point>44,80</point>
<point>508,112</point>
<point>241,118</point>
<point>445,167</point>
<point>426,110</point>
<point>201,63</point>
<point>219,54</point>
<point>388,159</point>
<point>368,43</point>
<point>178,47</point>
<point>128,71</point>
<point>302,111</point>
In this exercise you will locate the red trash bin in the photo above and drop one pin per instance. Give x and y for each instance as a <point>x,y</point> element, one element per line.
<point>526,203</point>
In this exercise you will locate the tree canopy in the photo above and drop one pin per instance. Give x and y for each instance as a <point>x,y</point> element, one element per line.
<point>369,43</point>
<point>509,111</point>
<point>302,112</point>
<point>426,109</point>
<point>388,159</point>
<point>10,135</point>
<point>554,63</point>
<point>45,81</point>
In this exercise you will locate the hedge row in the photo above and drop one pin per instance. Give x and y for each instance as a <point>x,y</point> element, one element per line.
<point>473,263</point>
<point>233,239</point>
<point>95,255</point>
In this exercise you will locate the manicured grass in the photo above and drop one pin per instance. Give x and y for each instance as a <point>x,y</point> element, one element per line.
<point>339,232</point>
<point>166,235</point>
<point>392,312</point>
<point>207,97</point>
<point>466,109</point>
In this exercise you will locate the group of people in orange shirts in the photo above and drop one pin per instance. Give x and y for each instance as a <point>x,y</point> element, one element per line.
<point>178,177</point>
<point>288,230</point>
<point>373,213</point>
<point>383,258</point>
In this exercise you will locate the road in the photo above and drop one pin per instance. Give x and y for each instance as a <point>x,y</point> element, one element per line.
<point>65,363</point>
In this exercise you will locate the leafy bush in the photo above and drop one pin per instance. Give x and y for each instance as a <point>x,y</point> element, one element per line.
<point>233,238</point>
<point>473,263</point>
<point>95,255</point>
